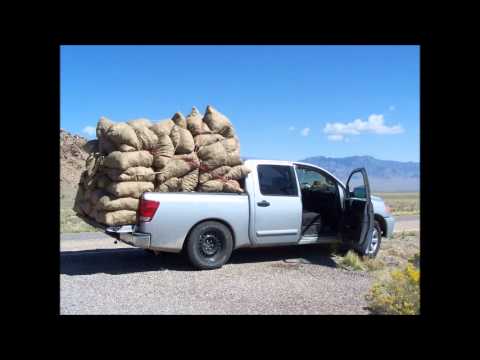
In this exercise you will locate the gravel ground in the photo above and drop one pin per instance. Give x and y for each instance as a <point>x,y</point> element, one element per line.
<point>101,277</point>
<point>118,279</point>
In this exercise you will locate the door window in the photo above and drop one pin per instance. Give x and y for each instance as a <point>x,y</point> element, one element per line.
<point>356,186</point>
<point>277,180</point>
<point>315,181</point>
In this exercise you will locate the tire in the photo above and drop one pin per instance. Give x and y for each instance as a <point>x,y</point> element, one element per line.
<point>209,245</point>
<point>373,246</point>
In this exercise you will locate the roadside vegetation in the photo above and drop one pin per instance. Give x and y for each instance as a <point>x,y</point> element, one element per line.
<point>402,203</point>
<point>69,221</point>
<point>396,274</point>
<point>398,293</point>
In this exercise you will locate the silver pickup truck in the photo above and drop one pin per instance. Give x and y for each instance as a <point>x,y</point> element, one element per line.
<point>285,203</point>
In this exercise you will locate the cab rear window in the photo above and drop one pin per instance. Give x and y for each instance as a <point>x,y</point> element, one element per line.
<point>277,180</point>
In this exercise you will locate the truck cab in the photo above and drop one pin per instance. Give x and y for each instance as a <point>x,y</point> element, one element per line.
<point>304,204</point>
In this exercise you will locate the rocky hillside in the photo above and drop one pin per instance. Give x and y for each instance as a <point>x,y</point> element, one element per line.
<point>72,159</point>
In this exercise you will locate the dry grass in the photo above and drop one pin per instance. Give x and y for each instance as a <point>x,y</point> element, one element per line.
<point>402,203</point>
<point>69,221</point>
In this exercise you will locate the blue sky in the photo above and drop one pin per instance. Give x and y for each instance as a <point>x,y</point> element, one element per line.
<point>286,102</point>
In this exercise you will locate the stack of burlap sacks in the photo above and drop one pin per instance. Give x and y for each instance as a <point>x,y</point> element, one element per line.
<point>196,153</point>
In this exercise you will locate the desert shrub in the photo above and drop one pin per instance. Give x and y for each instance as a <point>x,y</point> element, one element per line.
<point>351,261</point>
<point>398,294</point>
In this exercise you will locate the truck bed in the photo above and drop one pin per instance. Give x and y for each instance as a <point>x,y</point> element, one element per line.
<point>178,213</point>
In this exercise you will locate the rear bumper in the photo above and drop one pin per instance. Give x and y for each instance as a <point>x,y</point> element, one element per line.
<point>389,226</point>
<point>141,240</point>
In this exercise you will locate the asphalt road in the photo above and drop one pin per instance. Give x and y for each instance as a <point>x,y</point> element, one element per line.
<point>99,276</point>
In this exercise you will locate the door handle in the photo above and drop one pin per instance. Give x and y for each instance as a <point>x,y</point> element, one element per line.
<point>263,203</point>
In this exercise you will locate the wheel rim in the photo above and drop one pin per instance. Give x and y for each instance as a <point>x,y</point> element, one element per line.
<point>373,243</point>
<point>211,244</point>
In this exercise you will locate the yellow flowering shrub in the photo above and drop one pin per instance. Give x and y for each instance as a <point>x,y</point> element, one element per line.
<point>398,295</point>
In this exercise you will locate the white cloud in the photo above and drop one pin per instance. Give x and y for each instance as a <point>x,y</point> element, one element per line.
<point>391,108</point>
<point>335,137</point>
<point>375,124</point>
<point>291,128</point>
<point>89,130</point>
<point>305,132</point>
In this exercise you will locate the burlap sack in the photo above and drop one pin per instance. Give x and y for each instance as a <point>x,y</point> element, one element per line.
<point>218,123</point>
<point>171,185</point>
<point>140,122</point>
<point>190,181</point>
<point>164,147</point>
<point>182,140</point>
<point>125,148</point>
<point>214,174</point>
<point>103,126</point>
<point>195,123</point>
<point>231,144</point>
<point>179,120</point>
<point>148,139</point>
<point>212,156</point>
<point>132,189</point>
<point>162,152</point>
<point>123,161</point>
<point>178,166</point>
<point>105,146</point>
<point>110,203</point>
<point>159,162</point>
<point>163,127</point>
<point>232,186</point>
<point>233,158</point>
<point>113,218</point>
<point>237,173</point>
<point>211,186</point>
<point>137,173</point>
<point>207,139</point>
<point>123,134</point>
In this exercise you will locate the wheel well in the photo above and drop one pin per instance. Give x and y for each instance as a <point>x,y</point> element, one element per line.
<point>212,219</point>
<point>382,223</point>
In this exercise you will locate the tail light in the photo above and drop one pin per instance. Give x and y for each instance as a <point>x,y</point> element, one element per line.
<point>147,209</point>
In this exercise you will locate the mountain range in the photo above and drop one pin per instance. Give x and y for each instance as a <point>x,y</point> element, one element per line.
<point>383,175</point>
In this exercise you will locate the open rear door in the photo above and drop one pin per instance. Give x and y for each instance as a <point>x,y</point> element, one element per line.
<point>358,217</point>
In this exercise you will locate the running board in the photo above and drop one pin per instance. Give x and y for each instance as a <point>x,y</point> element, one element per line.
<point>318,240</point>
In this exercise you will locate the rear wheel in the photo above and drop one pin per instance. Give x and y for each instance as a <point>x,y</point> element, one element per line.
<point>209,245</point>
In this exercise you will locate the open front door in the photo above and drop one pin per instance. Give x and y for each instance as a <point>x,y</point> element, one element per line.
<point>358,217</point>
